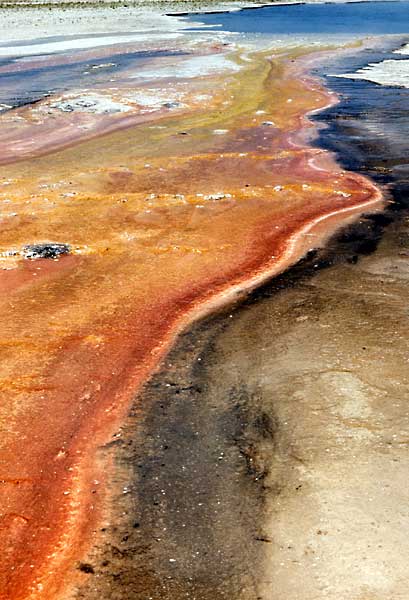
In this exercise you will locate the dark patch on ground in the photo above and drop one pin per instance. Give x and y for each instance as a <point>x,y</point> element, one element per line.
<point>86,568</point>
<point>45,250</point>
<point>189,518</point>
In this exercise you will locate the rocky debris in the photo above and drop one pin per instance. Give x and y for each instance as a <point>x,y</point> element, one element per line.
<point>155,99</point>
<point>45,250</point>
<point>171,105</point>
<point>91,103</point>
<point>217,196</point>
<point>71,106</point>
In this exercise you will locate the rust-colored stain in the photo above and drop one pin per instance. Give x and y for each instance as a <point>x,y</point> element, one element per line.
<point>162,228</point>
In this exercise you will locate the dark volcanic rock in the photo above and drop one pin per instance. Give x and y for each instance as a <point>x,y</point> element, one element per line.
<point>171,105</point>
<point>45,250</point>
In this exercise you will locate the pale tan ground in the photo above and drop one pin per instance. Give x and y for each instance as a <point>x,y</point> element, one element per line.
<point>329,360</point>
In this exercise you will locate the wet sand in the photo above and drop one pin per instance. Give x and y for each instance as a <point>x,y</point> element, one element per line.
<point>231,207</point>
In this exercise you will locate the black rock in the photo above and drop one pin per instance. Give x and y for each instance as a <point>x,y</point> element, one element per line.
<point>171,105</point>
<point>86,568</point>
<point>45,250</point>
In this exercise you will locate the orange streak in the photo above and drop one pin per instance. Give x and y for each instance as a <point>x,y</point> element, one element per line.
<point>86,331</point>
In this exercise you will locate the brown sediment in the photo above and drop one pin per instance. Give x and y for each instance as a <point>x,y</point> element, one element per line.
<point>164,228</point>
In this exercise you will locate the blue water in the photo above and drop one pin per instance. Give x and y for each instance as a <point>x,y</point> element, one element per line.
<point>349,18</point>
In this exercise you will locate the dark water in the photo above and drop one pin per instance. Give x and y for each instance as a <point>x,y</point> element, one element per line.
<point>369,128</point>
<point>348,18</point>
